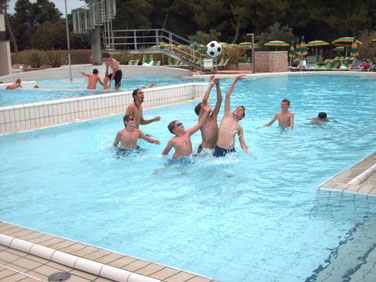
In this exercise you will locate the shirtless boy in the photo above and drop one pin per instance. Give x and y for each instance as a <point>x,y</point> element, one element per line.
<point>136,109</point>
<point>116,71</point>
<point>15,85</point>
<point>209,130</point>
<point>182,141</point>
<point>229,126</point>
<point>285,118</point>
<point>130,134</point>
<point>93,79</point>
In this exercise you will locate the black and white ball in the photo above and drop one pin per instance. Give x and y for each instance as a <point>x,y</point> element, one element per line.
<point>213,49</point>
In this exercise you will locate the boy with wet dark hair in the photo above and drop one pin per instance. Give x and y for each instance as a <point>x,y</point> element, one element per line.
<point>93,79</point>
<point>130,134</point>
<point>116,71</point>
<point>285,118</point>
<point>182,140</point>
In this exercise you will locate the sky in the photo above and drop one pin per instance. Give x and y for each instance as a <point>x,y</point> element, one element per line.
<point>60,4</point>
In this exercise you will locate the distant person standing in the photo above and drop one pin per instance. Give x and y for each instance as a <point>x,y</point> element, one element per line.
<point>15,85</point>
<point>93,79</point>
<point>136,109</point>
<point>116,71</point>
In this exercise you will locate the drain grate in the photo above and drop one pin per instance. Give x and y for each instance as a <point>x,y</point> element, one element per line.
<point>59,276</point>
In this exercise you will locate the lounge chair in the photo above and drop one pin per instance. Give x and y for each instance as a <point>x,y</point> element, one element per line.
<point>133,62</point>
<point>183,65</point>
<point>147,59</point>
<point>320,66</point>
<point>333,65</point>
<point>155,63</point>
<point>318,58</point>
<point>173,62</point>
<point>223,62</point>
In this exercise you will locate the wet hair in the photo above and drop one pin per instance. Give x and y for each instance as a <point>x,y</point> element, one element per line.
<point>322,115</point>
<point>198,109</point>
<point>286,101</point>
<point>36,86</point>
<point>171,126</point>
<point>134,94</point>
<point>243,111</point>
<point>95,71</point>
<point>106,55</point>
<point>18,80</point>
<point>126,118</point>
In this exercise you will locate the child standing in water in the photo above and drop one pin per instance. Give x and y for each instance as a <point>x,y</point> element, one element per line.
<point>285,118</point>
<point>93,79</point>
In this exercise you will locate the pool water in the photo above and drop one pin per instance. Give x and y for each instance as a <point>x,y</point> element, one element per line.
<point>64,88</point>
<point>238,218</point>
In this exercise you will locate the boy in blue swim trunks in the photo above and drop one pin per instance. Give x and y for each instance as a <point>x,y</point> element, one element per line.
<point>229,126</point>
<point>182,140</point>
<point>93,79</point>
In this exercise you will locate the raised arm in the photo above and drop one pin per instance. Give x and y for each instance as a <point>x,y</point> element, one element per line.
<point>147,138</point>
<point>219,99</point>
<point>206,96</point>
<point>228,94</point>
<point>168,148</point>
<point>85,74</point>
<point>203,115</point>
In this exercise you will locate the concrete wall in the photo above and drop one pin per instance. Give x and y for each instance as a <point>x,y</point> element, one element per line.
<point>5,58</point>
<point>50,113</point>
<point>271,61</point>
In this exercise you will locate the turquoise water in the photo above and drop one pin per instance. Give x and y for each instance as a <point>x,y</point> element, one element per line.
<point>232,219</point>
<point>64,88</point>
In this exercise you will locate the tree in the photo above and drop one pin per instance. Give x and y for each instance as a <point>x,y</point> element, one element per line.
<point>276,32</point>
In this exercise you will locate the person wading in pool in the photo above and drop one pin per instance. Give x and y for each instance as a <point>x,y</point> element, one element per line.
<point>285,118</point>
<point>209,130</point>
<point>130,134</point>
<point>182,140</point>
<point>93,79</point>
<point>229,126</point>
<point>136,109</point>
<point>116,71</point>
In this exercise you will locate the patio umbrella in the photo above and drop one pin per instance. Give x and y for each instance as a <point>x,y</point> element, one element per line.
<point>245,45</point>
<point>339,48</point>
<point>354,49</point>
<point>232,46</point>
<point>292,50</point>
<point>277,43</point>
<point>224,44</point>
<point>303,47</point>
<point>317,43</point>
<point>297,52</point>
<point>345,42</point>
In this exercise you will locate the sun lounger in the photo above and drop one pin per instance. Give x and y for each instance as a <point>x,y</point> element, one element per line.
<point>333,65</point>
<point>147,59</point>
<point>155,63</point>
<point>223,62</point>
<point>133,62</point>
<point>173,62</point>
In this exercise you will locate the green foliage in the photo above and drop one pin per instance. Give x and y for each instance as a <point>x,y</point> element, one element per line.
<point>276,32</point>
<point>367,50</point>
<point>53,58</point>
<point>32,58</point>
<point>236,55</point>
<point>204,38</point>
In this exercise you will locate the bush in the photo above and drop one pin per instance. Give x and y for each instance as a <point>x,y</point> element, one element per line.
<point>53,58</point>
<point>32,58</point>
<point>80,56</point>
<point>368,49</point>
<point>236,55</point>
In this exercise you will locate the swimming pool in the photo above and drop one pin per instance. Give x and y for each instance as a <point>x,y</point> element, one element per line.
<point>232,219</point>
<point>64,88</point>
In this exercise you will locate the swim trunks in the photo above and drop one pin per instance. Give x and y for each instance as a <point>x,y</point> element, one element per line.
<point>90,88</point>
<point>220,152</point>
<point>117,78</point>
<point>182,160</point>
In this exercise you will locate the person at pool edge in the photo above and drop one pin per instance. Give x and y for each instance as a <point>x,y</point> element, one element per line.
<point>93,79</point>
<point>116,71</point>
<point>130,134</point>
<point>15,85</point>
<point>135,109</point>
<point>229,126</point>
<point>285,118</point>
<point>209,130</point>
<point>182,140</point>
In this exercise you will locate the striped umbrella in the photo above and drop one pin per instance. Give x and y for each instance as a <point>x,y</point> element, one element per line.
<point>232,46</point>
<point>354,49</point>
<point>303,47</point>
<point>317,43</point>
<point>224,44</point>
<point>245,45</point>
<point>345,41</point>
<point>340,48</point>
<point>297,48</point>
<point>277,43</point>
<point>292,50</point>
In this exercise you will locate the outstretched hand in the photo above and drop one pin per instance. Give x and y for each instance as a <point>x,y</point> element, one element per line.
<point>158,118</point>
<point>206,107</point>
<point>240,77</point>
<point>212,78</point>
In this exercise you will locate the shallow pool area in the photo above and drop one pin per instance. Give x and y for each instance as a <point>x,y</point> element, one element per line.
<point>53,89</point>
<point>255,217</point>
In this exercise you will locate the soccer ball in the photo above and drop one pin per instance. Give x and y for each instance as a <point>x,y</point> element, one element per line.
<point>213,49</point>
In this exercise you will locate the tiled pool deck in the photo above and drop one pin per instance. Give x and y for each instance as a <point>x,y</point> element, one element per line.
<point>19,262</point>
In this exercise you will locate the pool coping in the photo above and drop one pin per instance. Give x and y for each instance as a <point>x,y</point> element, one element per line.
<point>100,262</point>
